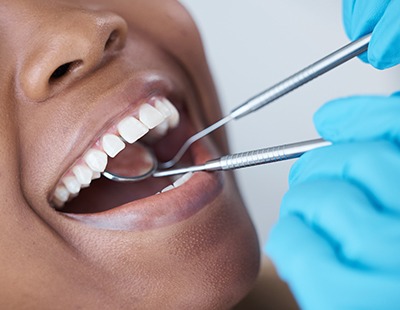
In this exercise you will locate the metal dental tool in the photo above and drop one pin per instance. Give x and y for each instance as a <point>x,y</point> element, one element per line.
<point>251,158</point>
<point>280,89</point>
<point>240,160</point>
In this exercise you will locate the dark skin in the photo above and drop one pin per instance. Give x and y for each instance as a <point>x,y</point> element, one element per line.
<point>208,259</point>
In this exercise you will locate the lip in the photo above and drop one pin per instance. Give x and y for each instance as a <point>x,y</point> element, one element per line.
<point>163,209</point>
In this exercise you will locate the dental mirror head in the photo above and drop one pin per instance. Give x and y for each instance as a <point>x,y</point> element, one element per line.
<point>136,163</point>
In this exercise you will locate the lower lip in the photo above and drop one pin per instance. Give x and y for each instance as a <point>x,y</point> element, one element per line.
<point>163,209</point>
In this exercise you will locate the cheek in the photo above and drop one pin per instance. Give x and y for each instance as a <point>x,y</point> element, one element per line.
<point>9,123</point>
<point>9,145</point>
<point>45,138</point>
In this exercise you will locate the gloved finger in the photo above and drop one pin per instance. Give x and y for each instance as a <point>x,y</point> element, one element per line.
<point>383,49</point>
<point>362,236</point>
<point>372,166</point>
<point>348,16</point>
<point>361,17</point>
<point>307,261</point>
<point>359,118</point>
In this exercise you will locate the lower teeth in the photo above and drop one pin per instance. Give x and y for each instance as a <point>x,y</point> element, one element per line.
<point>179,182</point>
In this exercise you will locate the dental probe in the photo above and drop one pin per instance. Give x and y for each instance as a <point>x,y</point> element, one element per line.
<point>251,158</point>
<point>280,89</point>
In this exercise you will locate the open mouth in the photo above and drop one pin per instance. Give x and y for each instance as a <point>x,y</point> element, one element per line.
<point>156,124</point>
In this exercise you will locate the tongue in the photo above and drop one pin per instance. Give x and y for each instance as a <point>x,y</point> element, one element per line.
<point>134,160</point>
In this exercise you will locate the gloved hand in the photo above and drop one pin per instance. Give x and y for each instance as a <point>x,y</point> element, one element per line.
<point>337,242</point>
<point>381,17</point>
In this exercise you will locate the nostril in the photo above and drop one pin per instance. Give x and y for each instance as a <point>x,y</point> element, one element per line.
<point>60,71</point>
<point>64,70</point>
<point>112,39</point>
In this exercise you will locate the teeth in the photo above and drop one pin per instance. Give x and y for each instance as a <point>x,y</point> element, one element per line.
<point>61,193</point>
<point>159,119</point>
<point>161,129</point>
<point>96,175</point>
<point>131,129</point>
<point>167,189</point>
<point>183,179</point>
<point>178,182</point>
<point>96,160</point>
<point>83,174</point>
<point>150,116</point>
<point>163,108</point>
<point>72,185</point>
<point>58,203</point>
<point>173,119</point>
<point>157,132</point>
<point>112,145</point>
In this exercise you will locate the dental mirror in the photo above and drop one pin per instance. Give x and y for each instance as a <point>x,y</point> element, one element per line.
<point>135,163</point>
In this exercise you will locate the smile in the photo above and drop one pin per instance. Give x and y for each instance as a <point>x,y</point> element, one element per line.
<point>152,119</point>
<point>81,194</point>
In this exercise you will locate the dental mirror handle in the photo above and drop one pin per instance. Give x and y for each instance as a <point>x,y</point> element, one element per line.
<point>251,158</point>
<point>280,89</point>
<point>302,77</point>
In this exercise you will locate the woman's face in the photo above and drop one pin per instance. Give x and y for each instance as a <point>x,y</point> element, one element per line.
<point>77,77</point>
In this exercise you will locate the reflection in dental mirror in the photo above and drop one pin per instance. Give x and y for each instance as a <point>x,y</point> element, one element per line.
<point>135,163</point>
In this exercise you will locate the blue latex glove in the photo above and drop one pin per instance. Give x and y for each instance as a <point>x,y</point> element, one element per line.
<point>337,242</point>
<point>382,18</point>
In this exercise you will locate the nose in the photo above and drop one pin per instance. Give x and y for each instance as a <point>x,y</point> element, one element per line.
<point>70,48</point>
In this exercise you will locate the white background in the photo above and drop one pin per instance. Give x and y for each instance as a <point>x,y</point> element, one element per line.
<point>251,45</point>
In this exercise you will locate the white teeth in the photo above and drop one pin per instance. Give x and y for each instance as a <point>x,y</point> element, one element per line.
<point>163,108</point>
<point>159,118</point>
<point>161,129</point>
<point>167,189</point>
<point>183,179</point>
<point>131,129</point>
<point>58,203</point>
<point>61,193</point>
<point>83,174</point>
<point>173,119</point>
<point>150,116</point>
<point>96,175</point>
<point>178,182</point>
<point>112,145</point>
<point>175,178</point>
<point>96,160</point>
<point>72,184</point>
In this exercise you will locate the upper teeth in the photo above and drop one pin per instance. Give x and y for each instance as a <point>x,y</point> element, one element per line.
<point>83,174</point>
<point>112,145</point>
<point>96,160</point>
<point>150,116</point>
<point>130,129</point>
